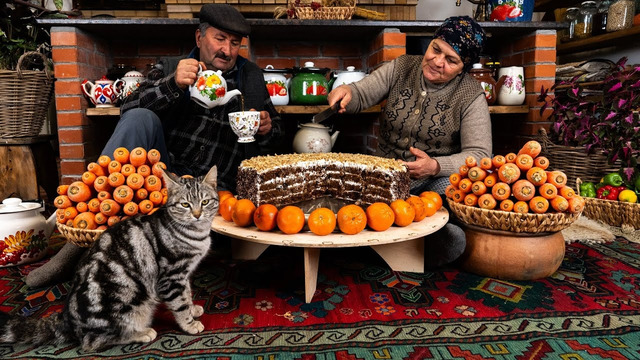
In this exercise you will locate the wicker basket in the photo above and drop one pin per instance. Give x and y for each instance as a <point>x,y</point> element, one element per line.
<point>511,221</point>
<point>612,212</point>
<point>325,12</point>
<point>80,237</point>
<point>24,99</point>
<point>574,160</point>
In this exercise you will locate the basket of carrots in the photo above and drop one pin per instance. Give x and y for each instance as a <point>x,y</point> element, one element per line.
<point>109,191</point>
<point>515,192</point>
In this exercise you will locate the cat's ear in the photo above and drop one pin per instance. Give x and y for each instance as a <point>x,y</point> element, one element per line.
<point>212,177</point>
<point>170,178</point>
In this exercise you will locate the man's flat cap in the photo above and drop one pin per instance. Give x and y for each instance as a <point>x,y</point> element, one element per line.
<point>226,18</point>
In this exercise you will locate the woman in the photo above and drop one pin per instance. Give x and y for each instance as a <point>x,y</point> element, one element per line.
<point>436,115</point>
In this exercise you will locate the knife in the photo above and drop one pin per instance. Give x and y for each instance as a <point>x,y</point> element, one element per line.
<point>325,114</point>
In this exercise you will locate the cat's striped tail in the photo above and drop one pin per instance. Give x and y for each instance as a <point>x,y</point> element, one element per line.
<point>32,330</point>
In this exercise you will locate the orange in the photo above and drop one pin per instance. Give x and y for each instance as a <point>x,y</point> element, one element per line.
<point>433,196</point>
<point>430,207</point>
<point>403,212</point>
<point>290,219</point>
<point>322,221</point>
<point>418,205</point>
<point>351,219</point>
<point>242,212</point>
<point>380,217</point>
<point>223,195</point>
<point>225,208</point>
<point>265,217</point>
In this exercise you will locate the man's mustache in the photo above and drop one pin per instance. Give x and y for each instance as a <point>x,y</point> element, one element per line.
<point>222,56</point>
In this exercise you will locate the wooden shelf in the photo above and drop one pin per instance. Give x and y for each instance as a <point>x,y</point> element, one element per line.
<point>314,109</point>
<point>626,36</point>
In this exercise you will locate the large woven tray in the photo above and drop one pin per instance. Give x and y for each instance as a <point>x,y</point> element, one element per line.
<point>612,212</point>
<point>511,221</point>
<point>80,237</point>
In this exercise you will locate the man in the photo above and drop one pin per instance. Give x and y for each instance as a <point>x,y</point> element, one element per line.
<point>190,138</point>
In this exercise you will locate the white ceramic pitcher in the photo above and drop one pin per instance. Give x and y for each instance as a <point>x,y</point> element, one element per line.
<point>510,85</point>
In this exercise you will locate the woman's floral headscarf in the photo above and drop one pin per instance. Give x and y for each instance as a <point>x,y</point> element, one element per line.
<point>465,36</point>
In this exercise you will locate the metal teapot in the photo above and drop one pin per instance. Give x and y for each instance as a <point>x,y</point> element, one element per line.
<point>314,138</point>
<point>210,89</point>
<point>24,232</point>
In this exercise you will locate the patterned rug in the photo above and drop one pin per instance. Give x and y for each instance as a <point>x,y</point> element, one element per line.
<point>589,309</point>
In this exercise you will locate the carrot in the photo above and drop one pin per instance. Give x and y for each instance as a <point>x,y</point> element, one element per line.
<point>88,178</point>
<point>70,213</point>
<point>157,167</point>
<point>539,205</point>
<point>523,190</point>
<point>82,207</point>
<point>478,188</point>
<point>548,191</point>
<point>477,174</point>
<point>116,179</point>
<point>448,191</point>
<point>60,216</point>
<point>485,163</point>
<point>102,184</point>
<point>156,197</point>
<point>566,192</point>
<point>471,200</point>
<point>576,204</point>
<point>501,191</point>
<point>102,227</point>
<point>491,179</point>
<point>458,196</point>
<point>104,195</point>
<point>109,207</point>
<point>100,218</point>
<point>465,185</point>
<point>141,194</point>
<point>164,199</point>
<point>62,202</point>
<point>95,168</point>
<point>152,183</point>
<point>509,173</point>
<point>498,161</point>
<point>164,191</point>
<point>559,204</point>
<point>85,220</point>
<point>541,162</point>
<point>521,207</point>
<point>506,205</point>
<point>145,206</point>
<point>524,162</point>
<point>152,211</point>
<point>104,160</point>
<point>79,191</point>
<point>531,148</point>
<point>144,170</point>
<point>537,176</point>
<point>114,166</point>
<point>128,169</point>
<point>556,177</point>
<point>62,189</point>
<point>138,156</point>
<point>510,157</point>
<point>454,179</point>
<point>153,156</point>
<point>112,220</point>
<point>93,205</point>
<point>470,161</point>
<point>487,201</point>
<point>121,155</point>
<point>130,208</point>
<point>463,170</point>
<point>135,181</point>
<point>123,194</point>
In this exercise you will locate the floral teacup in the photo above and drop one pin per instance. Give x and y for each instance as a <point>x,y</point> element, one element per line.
<point>245,124</point>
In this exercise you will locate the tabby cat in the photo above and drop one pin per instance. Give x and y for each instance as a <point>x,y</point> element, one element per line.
<point>130,269</point>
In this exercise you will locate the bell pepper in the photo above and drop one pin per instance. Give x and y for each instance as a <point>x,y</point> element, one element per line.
<point>637,184</point>
<point>628,196</point>
<point>607,192</point>
<point>613,179</point>
<point>588,189</point>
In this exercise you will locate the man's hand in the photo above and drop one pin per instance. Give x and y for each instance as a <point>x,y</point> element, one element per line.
<point>340,94</point>
<point>265,122</point>
<point>187,72</point>
<point>423,167</point>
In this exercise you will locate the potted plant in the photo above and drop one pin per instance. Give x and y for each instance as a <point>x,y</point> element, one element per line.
<point>19,33</point>
<point>606,122</point>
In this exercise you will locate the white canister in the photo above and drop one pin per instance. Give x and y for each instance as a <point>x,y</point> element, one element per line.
<point>277,85</point>
<point>510,85</point>
<point>348,77</point>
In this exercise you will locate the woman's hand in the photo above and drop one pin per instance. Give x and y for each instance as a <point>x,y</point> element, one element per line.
<point>187,72</point>
<point>340,94</point>
<point>423,167</point>
<point>265,122</point>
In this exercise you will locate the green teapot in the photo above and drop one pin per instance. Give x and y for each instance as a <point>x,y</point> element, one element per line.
<point>309,86</point>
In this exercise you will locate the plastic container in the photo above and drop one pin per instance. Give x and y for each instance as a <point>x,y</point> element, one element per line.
<point>584,22</point>
<point>621,14</point>
<point>600,18</point>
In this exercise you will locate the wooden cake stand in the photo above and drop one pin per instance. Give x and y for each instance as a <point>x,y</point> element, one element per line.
<point>402,248</point>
